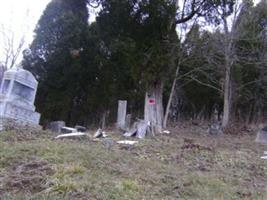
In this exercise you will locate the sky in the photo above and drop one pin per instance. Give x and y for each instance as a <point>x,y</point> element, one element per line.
<point>19,17</point>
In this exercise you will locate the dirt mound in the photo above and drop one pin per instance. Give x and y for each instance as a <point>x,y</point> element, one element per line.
<point>189,144</point>
<point>195,147</point>
<point>238,129</point>
<point>29,176</point>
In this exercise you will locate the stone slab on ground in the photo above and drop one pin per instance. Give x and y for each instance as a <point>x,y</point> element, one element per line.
<point>80,128</point>
<point>66,129</point>
<point>70,135</point>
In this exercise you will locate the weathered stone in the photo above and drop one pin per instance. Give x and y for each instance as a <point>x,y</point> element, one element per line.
<point>142,127</point>
<point>121,118</point>
<point>128,122</point>
<point>80,128</point>
<point>100,134</point>
<point>139,129</point>
<point>128,142</point>
<point>262,135</point>
<point>131,133</point>
<point>71,135</point>
<point>66,129</point>
<point>215,129</point>
<point>56,126</point>
<point>17,95</point>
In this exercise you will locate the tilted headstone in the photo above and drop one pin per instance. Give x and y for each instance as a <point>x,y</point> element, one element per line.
<point>142,127</point>
<point>17,96</point>
<point>139,129</point>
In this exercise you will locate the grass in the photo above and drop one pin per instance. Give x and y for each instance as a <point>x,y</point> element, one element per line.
<point>188,164</point>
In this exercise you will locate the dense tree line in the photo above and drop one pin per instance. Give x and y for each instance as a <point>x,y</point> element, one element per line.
<point>132,51</point>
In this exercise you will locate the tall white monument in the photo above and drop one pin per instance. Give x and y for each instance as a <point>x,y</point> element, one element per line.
<point>17,95</point>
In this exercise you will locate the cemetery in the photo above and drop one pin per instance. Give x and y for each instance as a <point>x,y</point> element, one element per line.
<point>173,157</point>
<point>68,162</point>
<point>133,100</point>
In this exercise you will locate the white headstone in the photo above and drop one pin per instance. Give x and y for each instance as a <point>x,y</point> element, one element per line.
<point>17,96</point>
<point>121,118</point>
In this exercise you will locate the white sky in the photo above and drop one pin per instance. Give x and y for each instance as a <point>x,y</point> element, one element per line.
<point>21,17</point>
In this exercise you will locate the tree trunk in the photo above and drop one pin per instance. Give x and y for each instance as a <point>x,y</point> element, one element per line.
<point>170,98</point>
<point>228,54</point>
<point>154,107</point>
<point>227,97</point>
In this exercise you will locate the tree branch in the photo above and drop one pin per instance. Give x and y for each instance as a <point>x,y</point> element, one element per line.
<point>205,84</point>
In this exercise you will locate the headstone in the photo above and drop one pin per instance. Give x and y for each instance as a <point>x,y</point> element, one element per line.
<point>100,134</point>
<point>262,136</point>
<point>215,129</point>
<point>132,132</point>
<point>17,96</point>
<point>128,122</point>
<point>66,129</point>
<point>80,128</point>
<point>56,126</point>
<point>121,118</point>
<point>139,129</point>
<point>142,127</point>
<point>70,135</point>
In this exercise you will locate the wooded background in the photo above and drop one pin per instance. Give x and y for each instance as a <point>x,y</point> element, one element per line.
<point>204,55</point>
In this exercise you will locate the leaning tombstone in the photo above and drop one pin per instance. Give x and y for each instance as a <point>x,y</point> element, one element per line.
<point>17,96</point>
<point>132,132</point>
<point>142,127</point>
<point>262,136</point>
<point>56,126</point>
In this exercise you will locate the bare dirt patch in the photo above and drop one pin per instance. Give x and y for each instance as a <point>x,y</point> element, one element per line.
<point>27,176</point>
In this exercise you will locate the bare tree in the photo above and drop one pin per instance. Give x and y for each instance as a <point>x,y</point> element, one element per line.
<point>186,10</point>
<point>10,49</point>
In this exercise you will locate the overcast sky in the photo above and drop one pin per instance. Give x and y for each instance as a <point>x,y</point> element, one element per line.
<point>21,17</point>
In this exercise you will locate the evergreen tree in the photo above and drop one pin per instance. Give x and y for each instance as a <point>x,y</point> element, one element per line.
<point>251,65</point>
<point>148,30</point>
<point>57,57</point>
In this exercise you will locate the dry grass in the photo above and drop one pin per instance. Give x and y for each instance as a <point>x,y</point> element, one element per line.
<point>188,164</point>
